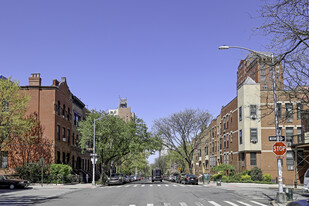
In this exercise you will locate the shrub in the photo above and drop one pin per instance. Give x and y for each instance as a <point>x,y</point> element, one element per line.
<point>245,178</point>
<point>60,173</point>
<point>31,171</point>
<point>267,178</point>
<point>256,174</point>
<point>216,177</point>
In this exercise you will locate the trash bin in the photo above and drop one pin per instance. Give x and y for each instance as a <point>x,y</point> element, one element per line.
<point>218,182</point>
<point>289,193</point>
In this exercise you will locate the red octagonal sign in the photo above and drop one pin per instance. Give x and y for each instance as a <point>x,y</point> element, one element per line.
<point>279,148</point>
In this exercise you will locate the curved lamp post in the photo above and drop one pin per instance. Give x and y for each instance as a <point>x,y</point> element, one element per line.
<point>281,197</point>
<point>94,155</point>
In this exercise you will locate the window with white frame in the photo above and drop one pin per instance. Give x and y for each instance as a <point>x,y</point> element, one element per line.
<point>253,135</point>
<point>290,160</point>
<point>289,112</point>
<point>240,136</point>
<point>240,113</point>
<point>253,158</point>
<point>253,111</point>
<point>289,135</point>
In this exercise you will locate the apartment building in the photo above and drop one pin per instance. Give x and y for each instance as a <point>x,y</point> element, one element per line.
<point>59,112</point>
<point>240,133</point>
<point>123,111</point>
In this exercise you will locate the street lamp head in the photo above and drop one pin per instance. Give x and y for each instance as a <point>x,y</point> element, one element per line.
<point>224,47</point>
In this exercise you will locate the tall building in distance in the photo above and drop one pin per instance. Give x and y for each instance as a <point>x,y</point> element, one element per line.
<point>123,111</point>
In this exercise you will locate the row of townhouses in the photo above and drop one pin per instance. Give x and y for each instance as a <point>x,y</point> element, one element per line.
<point>240,134</point>
<point>59,112</point>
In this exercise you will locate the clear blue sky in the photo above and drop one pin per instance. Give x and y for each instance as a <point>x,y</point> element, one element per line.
<point>160,54</point>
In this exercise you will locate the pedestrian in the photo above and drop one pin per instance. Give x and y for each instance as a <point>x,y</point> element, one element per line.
<point>87,178</point>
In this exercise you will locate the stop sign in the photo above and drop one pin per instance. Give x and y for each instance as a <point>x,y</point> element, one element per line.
<point>279,148</point>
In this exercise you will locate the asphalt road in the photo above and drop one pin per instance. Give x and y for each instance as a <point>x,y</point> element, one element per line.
<point>145,193</point>
<point>142,193</point>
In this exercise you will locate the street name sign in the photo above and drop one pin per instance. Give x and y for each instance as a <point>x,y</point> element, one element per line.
<point>279,148</point>
<point>274,138</point>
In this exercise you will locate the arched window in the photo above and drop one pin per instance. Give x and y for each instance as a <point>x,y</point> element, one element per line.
<point>63,111</point>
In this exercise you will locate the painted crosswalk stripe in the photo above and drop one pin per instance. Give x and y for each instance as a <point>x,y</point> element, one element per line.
<point>150,185</point>
<point>214,203</point>
<point>244,203</point>
<point>149,204</point>
<point>183,204</point>
<point>175,185</point>
<point>167,204</point>
<point>198,204</point>
<point>135,186</point>
<point>182,185</point>
<point>159,185</point>
<point>166,185</point>
<point>143,185</point>
<point>258,203</point>
<point>233,204</point>
<point>132,205</point>
<point>127,185</point>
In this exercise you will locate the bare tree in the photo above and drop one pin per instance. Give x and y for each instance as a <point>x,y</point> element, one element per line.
<point>286,23</point>
<point>180,132</point>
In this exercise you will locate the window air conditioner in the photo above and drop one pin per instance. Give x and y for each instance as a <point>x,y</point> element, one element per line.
<point>254,141</point>
<point>253,116</point>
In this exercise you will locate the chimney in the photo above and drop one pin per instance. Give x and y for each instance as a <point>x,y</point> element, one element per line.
<point>35,79</point>
<point>55,82</point>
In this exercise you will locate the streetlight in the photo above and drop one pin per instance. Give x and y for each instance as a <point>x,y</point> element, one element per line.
<point>280,195</point>
<point>94,155</point>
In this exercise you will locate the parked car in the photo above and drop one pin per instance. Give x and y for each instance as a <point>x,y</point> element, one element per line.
<point>116,179</point>
<point>13,183</point>
<point>174,177</point>
<point>190,179</point>
<point>306,182</point>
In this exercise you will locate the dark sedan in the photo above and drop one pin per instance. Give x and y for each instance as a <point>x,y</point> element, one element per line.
<point>13,183</point>
<point>190,179</point>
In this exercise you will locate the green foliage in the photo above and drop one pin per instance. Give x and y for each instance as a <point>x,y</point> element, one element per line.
<point>60,173</point>
<point>31,171</point>
<point>267,178</point>
<point>245,178</point>
<point>256,174</point>
<point>13,106</point>
<point>228,169</point>
<point>216,177</point>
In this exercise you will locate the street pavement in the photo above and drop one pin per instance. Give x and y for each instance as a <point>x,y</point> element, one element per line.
<point>145,193</point>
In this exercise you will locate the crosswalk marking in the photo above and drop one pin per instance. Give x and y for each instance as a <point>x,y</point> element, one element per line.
<point>258,203</point>
<point>244,203</point>
<point>175,185</point>
<point>167,204</point>
<point>233,204</point>
<point>183,204</point>
<point>150,185</point>
<point>149,204</point>
<point>166,185</point>
<point>135,186</point>
<point>182,185</point>
<point>143,185</point>
<point>127,185</point>
<point>214,203</point>
<point>159,185</point>
<point>198,204</point>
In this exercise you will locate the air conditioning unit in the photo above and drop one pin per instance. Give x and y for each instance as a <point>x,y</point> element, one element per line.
<point>289,144</point>
<point>291,167</point>
<point>253,116</point>
<point>254,141</point>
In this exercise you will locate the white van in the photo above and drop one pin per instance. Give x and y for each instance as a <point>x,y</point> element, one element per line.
<point>306,182</point>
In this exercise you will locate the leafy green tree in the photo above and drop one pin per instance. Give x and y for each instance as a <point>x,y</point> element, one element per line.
<point>13,106</point>
<point>227,169</point>
<point>115,139</point>
<point>60,172</point>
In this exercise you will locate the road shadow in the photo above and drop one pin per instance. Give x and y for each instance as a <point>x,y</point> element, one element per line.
<point>23,200</point>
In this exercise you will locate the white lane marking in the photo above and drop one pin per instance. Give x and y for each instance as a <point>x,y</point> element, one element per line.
<point>143,185</point>
<point>182,185</point>
<point>135,186</point>
<point>258,203</point>
<point>132,205</point>
<point>244,203</point>
<point>149,204</point>
<point>231,203</point>
<point>159,185</point>
<point>166,185</point>
<point>198,204</point>
<point>175,185</point>
<point>150,185</point>
<point>167,204</point>
<point>127,186</point>
<point>190,185</point>
<point>214,203</point>
<point>183,204</point>
<point>119,186</point>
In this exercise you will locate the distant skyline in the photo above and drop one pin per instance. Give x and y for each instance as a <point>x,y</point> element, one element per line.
<point>162,55</point>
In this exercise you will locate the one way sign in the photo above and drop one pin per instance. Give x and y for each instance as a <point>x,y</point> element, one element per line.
<point>274,138</point>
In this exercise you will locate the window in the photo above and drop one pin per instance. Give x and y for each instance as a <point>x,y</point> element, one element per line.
<point>199,153</point>
<point>253,135</point>
<point>253,111</point>
<point>290,160</point>
<point>240,113</point>
<point>63,157</point>
<point>58,132</point>
<point>68,158</point>
<point>73,139</point>
<point>279,110</point>
<point>227,141</point>
<point>289,135</point>
<point>206,150</point>
<point>265,86</point>
<point>227,123</point>
<point>253,158</point>
<point>69,135</point>
<point>299,139</point>
<point>224,140</point>
<point>289,112</point>
<point>4,159</point>
<point>58,108</point>
<point>58,157</point>
<point>240,136</point>
<point>263,78</point>
<point>63,111</point>
<point>63,134</point>
<point>68,114</point>
<point>280,131</point>
<point>227,159</point>
<point>299,108</point>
